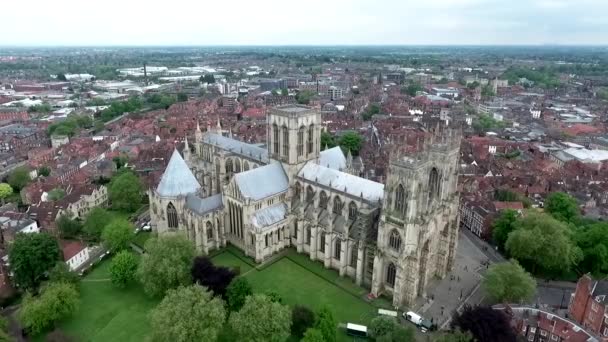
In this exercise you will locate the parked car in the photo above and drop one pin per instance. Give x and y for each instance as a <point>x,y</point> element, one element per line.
<point>423,324</point>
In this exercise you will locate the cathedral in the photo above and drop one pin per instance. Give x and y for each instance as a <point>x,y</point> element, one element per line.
<point>390,238</point>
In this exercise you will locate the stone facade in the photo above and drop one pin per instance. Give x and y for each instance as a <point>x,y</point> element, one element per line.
<point>391,239</point>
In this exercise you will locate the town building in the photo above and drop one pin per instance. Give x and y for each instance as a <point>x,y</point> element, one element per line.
<point>588,305</point>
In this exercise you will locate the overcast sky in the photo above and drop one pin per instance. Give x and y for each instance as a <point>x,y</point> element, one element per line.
<point>308,22</point>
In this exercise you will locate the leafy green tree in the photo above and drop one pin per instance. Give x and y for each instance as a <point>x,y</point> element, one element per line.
<point>188,314</point>
<point>238,290</point>
<point>68,228</point>
<point>304,96</point>
<point>120,160</point>
<point>411,89</point>
<point>284,92</point>
<point>508,282</point>
<point>261,320</point>
<point>207,78</point>
<point>302,318</point>
<point>57,301</point>
<point>541,243</point>
<point>5,191</point>
<point>182,97</point>
<point>312,335</point>
<point>387,329</point>
<point>19,178</point>
<point>326,323</point>
<point>372,110</point>
<point>351,141</point>
<point>503,226</point>
<point>487,91</point>
<point>56,194</point>
<point>61,273</point>
<point>593,241</point>
<point>327,140</point>
<point>562,206</point>
<point>44,171</point>
<point>274,296</point>
<point>126,192</point>
<point>31,256</point>
<point>4,335</point>
<point>118,234</point>
<point>61,77</point>
<point>97,219</point>
<point>274,92</point>
<point>123,268</point>
<point>455,336</point>
<point>166,264</point>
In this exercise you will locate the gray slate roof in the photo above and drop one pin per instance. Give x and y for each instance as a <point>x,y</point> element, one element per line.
<point>205,205</point>
<point>177,179</point>
<point>342,181</point>
<point>265,181</point>
<point>333,158</point>
<point>237,147</point>
<point>269,216</point>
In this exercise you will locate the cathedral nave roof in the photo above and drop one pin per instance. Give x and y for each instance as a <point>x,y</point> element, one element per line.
<point>342,181</point>
<point>262,182</point>
<point>238,147</point>
<point>205,205</point>
<point>269,216</point>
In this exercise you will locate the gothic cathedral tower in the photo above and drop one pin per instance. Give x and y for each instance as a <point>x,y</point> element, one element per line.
<point>418,229</point>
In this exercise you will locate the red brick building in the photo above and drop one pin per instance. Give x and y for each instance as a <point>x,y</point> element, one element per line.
<point>588,305</point>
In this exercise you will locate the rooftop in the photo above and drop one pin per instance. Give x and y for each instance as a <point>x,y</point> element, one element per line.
<point>262,182</point>
<point>177,178</point>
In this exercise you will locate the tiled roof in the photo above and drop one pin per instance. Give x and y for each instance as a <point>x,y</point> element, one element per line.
<point>202,206</point>
<point>262,182</point>
<point>177,179</point>
<point>269,216</point>
<point>333,158</point>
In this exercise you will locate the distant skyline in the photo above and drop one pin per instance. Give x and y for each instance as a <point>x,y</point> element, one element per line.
<point>314,22</point>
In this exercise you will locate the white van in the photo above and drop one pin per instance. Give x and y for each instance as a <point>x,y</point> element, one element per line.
<point>415,318</point>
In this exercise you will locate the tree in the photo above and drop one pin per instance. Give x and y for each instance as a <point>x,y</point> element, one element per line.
<point>326,323</point>
<point>61,274</point>
<point>207,78</point>
<point>126,192</point>
<point>455,336</point>
<point>327,140</point>
<point>412,89</point>
<point>312,335</point>
<point>56,194</point>
<point>304,96</point>
<point>19,178</point>
<point>503,226</point>
<point>387,329</point>
<point>120,160</point>
<point>487,91</point>
<point>562,206</point>
<point>188,314</point>
<point>274,92</point>
<point>182,97</point>
<point>541,243</point>
<point>238,290</point>
<point>57,301</point>
<point>484,324</point>
<point>123,268</point>
<point>274,296</point>
<point>284,92</point>
<point>5,191</point>
<point>61,77</point>
<point>44,171</point>
<point>215,278</point>
<point>261,320</point>
<point>302,318</point>
<point>31,256</point>
<point>372,110</point>
<point>166,264</point>
<point>508,282</point>
<point>97,219</point>
<point>118,234</point>
<point>593,241</point>
<point>351,141</point>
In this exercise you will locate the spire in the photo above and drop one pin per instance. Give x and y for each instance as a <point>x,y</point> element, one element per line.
<point>198,126</point>
<point>186,147</point>
<point>349,159</point>
<point>219,126</point>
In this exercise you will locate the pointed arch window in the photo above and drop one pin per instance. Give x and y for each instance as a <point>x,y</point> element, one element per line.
<point>394,240</point>
<point>323,200</point>
<point>297,192</point>
<point>171,216</point>
<point>337,208</point>
<point>354,254</point>
<point>322,243</point>
<point>310,194</point>
<point>391,274</point>
<point>275,138</point>
<point>209,229</point>
<point>400,200</point>
<point>237,165</point>
<point>245,166</point>
<point>353,212</point>
<point>434,185</point>
<point>311,138</point>
<point>285,141</point>
<point>337,249</point>
<point>229,166</point>
<point>301,141</point>
<point>308,235</point>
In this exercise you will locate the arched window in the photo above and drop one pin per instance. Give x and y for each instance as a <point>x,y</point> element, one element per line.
<point>337,249</point>
<point>310,194</point>
<point>266,240</point>
<point>308,235</point>
<point>245,166</point>
<point>311,138</point>
<point>354,254</point>
<point>322,243</point>
<point>434,185</point>
<point>301,141</point>
<point>337,209</point>
<point>209,231</point>
<point>275,138</point>
<point>400,200</point>
<point>394,240</point>
<point>352,211</point>
<point>323,200</point>
<point>285,141</point>
<point>171,216</point>
<point>391,273</point>
<point>237,165</point>
<point>297,192</point>
<point>229,168</point>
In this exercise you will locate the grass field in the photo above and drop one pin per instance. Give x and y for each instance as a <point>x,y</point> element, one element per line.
<point>141,238</point>
<point>107,313</point>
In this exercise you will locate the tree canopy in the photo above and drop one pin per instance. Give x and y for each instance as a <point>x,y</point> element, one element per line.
<point>166,264</point>
<point>593,241</point>
<point>562,206</point>
<point>61,273</point>
<point>118,234</point>
<point>261,320</point>
<point>327,140</point>
<point>508,282</point>
<point>126,192</point>
<point>351,141</point>
<point>502,227</point>
<point>188,314</point>
<point>312,335</point>
<point>56,194</point>
<point>31,256</point>
<point>95,222</point>
<point>302,318</point>
<point>68,228</point>
<point>19,178</point>
<point>44,171</point>
<point>326,323</point>
<point>123,268</point>
<point>304,96</point>
<point>387,329</point>
<point>238,290</point>
<point>57,301</point>
<point>5,191</point>
<point>484,324</point>
<point>411,89</point>
<point>215,278</point>
<point>543,244</point>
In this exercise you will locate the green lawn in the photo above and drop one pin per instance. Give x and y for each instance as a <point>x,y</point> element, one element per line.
<point>141,238</point>
<point>107,313</point>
